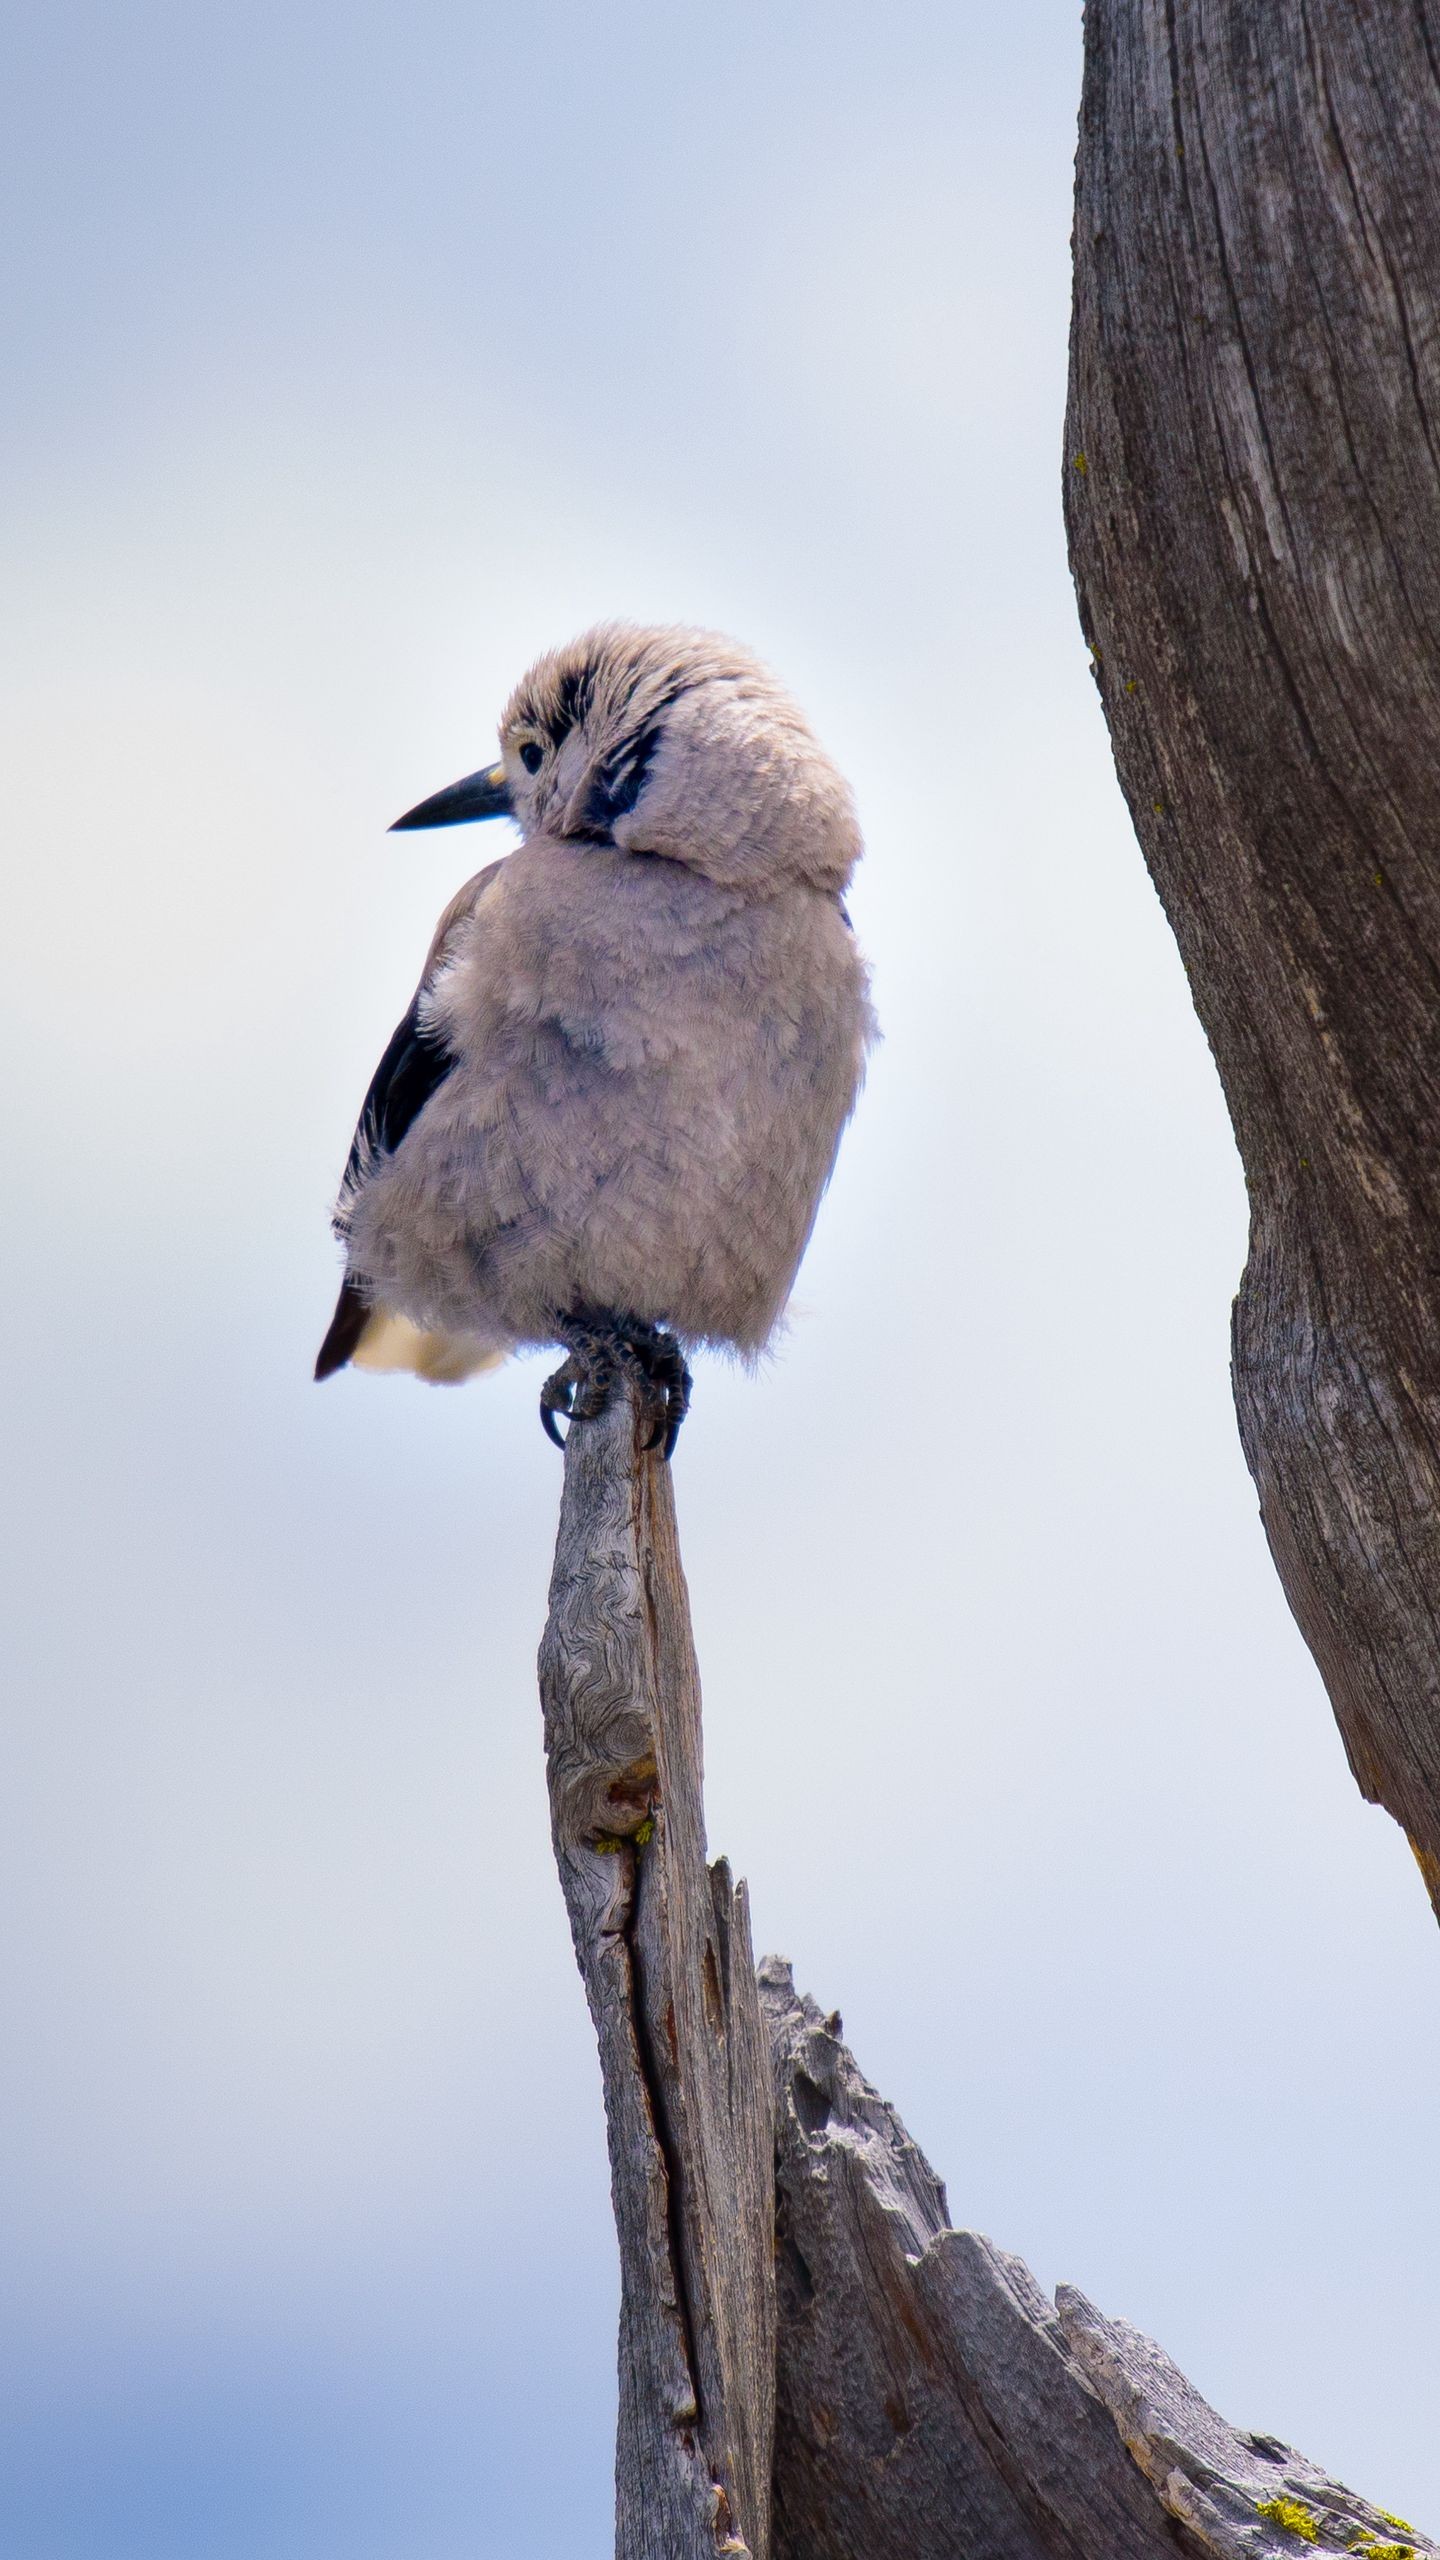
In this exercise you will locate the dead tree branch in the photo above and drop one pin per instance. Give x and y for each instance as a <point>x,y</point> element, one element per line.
<point>933,2405</point>
<point>663,1944</point>
<point>1253,496</point>
<point>789,2276</point>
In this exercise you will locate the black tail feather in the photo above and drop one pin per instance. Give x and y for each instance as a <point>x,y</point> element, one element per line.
<point>352,1314</point>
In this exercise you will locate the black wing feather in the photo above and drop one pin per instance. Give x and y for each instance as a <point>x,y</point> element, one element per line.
<point>415,1065</point>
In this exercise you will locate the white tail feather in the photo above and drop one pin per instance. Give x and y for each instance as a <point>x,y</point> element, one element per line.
<point>390,1342</point>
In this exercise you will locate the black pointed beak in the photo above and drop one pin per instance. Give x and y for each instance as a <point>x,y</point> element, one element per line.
<point>480,795</point>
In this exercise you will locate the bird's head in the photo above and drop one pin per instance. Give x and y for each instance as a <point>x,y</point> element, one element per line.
<point>665,742</point>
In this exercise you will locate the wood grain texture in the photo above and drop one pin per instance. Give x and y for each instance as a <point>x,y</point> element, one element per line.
<point>663,1943</point>
<point>805,2342</point>
<point>928,2406</point>
<point>1240,2496</point>
<point>933,2405</point>
<point>1253,498</point>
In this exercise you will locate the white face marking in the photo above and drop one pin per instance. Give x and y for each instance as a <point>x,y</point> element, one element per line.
<point>552,781</point>
<point>528,791</point>
<point>569,767</point>
<point>677,743</point>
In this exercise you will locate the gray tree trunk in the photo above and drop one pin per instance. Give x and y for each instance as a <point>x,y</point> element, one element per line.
<point>1253,497</point>
<point>803,2336</point>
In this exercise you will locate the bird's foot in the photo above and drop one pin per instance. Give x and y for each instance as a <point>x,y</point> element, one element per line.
<point>582,1386</point>
<point>601,1350</point>
<point>662,1365</point>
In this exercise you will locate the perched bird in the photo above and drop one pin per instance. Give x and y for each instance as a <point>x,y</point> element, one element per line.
<point>607,1119</point>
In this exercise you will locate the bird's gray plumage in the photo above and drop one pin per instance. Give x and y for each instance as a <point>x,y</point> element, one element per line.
<point>636,1041</point>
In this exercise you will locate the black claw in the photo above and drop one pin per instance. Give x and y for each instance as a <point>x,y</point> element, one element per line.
<point>664,1365</point>
<point>557,1396</point>
<point>601,1348</point>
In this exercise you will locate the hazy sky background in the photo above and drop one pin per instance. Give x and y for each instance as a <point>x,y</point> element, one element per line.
<point>356,354</point>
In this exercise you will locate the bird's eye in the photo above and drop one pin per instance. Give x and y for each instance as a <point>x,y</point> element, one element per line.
<point>532,756</point>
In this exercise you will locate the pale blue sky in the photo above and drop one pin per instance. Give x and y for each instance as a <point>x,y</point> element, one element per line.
<point>355,355</point>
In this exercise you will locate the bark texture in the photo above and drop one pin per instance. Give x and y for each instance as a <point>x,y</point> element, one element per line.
<point>663,1944</point>
<point>928,2403</point>
<point>792,2292</point>
<point>1253,497</point>
<point>933,2405</point>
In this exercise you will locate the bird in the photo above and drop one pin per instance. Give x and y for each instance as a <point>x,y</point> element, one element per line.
<point>607,1118</point>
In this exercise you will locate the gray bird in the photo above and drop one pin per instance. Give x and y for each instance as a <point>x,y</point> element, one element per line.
<point>608,1117</point>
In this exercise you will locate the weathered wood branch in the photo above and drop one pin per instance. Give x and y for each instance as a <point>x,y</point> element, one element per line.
<point>933,2405</point>
<point>928,2403</point>
<point>789,2276</point>
<point>1253,497</point>
<point>663,1944</point>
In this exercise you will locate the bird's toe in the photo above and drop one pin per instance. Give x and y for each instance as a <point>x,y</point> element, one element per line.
<point>677,1405</point>
<point>592,1395</point>
<point>602,1349</point>
<point>667,1383</point>
<point>557,1397</point>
